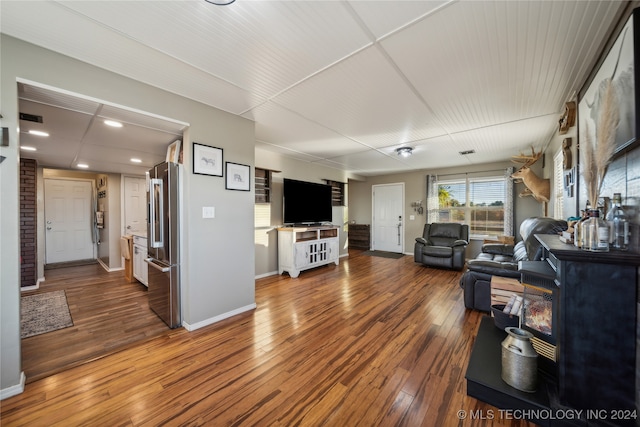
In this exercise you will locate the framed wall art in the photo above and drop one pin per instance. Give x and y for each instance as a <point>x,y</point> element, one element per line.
<point>207,160</point>
<point>617,65</point>
<point>238,177</point>
<point>173,151</point>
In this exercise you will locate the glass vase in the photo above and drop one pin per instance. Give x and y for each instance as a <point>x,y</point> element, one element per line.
<point>596,233</point>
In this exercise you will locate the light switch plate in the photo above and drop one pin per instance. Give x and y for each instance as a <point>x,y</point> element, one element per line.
<point>208,212</point>
<point>412,217</point>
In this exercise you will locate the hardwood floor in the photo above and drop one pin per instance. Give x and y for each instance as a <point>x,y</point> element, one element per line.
<point>108,314</point>
<point>371,342</point>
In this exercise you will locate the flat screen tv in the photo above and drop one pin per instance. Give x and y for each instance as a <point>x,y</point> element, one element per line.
<point>306,202</point>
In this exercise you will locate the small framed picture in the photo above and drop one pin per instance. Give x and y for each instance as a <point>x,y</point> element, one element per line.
<point>238,177</point>
<point>207,160</point>
<point>173,151</point>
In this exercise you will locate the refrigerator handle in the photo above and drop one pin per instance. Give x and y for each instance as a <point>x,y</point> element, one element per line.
<point>156,266</point>
<point>156,217</point>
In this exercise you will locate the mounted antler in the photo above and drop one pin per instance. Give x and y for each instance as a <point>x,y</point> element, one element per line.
<point>539,188</point>
<point>527,160</point>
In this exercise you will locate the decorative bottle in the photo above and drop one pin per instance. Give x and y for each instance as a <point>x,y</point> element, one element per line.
<point>618,225</point>
<point>596,233</point>
<point>578,228</point>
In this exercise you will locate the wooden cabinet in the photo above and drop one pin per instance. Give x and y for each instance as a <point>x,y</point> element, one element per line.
<point>140,267</point>
<point>359,236</point>
<point>302,248</point>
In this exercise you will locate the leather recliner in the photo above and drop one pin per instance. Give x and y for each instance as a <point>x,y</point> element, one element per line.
<point>442,245</point>
<point>502,260</point>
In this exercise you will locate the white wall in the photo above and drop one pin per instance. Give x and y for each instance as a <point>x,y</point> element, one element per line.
<point>218,254</point>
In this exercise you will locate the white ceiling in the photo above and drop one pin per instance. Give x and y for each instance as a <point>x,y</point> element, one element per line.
<point>338,83</point>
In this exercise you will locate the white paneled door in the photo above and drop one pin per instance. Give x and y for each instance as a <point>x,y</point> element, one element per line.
<point>388,219</point>
<point>135,204</point>
<point>68,220</point>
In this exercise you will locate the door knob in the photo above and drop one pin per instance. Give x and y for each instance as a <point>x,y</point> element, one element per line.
<point>48,228</point>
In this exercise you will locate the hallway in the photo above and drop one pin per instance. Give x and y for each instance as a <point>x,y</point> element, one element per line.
<point>108,315</point>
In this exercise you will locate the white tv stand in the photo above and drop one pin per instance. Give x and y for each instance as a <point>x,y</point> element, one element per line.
<point>302,248</point>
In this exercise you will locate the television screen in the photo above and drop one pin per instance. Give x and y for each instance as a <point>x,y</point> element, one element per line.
<point>306,202</point>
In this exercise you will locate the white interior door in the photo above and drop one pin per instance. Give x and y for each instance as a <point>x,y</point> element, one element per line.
<point>135,204</point>
<point>68,220</point>
<point>388,217</point>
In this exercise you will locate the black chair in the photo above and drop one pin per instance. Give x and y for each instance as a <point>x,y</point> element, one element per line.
<point>442,245</point>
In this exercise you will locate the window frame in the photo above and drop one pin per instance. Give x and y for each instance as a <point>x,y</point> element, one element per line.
<point>469,211</point>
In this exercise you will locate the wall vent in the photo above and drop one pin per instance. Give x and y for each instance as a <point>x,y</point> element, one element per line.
<point>30,118</point>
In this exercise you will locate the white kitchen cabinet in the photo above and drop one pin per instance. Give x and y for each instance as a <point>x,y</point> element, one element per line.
<point>302,248</point>
<point>140,267</point>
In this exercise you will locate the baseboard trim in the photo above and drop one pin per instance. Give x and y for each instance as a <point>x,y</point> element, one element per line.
<point>262,276</point>
<point>216,319</point>
<point>14,390</point>
<point>107,268</point>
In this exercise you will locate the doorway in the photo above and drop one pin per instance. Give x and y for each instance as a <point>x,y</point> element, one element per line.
<point>104,306</point>
<point>135,204</point>
<point>68,220</point>
<point>388,217</point>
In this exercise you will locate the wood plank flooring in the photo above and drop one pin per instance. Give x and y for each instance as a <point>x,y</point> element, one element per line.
<point>108,314</point>
<point>371,342</point>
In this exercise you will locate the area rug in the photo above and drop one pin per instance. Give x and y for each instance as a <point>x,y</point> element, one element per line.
<point>45,312</point>
<point>383,254</point>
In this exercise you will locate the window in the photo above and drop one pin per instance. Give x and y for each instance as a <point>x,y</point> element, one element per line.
<point>558,184</point>
<point>263,185</point>
<point>478,202</point>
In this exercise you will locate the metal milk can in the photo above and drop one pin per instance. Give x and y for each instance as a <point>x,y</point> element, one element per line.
<point>519,360</point>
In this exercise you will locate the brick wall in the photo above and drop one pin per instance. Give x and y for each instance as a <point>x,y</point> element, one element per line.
<point>28,215</point>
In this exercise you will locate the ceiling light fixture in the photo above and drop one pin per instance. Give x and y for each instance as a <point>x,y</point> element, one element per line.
<point>38,133</point>
<point>404,151</point>
<point>82,165</point>
<point>136,160</point>
<point>220,2</point>
<point>27,148</point>
<point>113,123</point>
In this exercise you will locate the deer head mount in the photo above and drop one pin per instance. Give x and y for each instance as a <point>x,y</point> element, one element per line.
<point>537,187</point>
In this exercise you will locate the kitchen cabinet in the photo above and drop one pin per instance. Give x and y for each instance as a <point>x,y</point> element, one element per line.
<point>140,267</point>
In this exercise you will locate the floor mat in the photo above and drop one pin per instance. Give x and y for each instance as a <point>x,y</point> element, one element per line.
<point>383,254</point>
<point>45,312</point>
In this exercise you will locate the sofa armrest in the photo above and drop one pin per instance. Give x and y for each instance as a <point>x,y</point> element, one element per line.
<point>497,249</point>
<point>494,268</point>
<point>421,240</point>
<point>460,243</point>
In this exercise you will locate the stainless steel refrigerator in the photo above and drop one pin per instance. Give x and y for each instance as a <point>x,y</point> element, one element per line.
<point>163,243</point>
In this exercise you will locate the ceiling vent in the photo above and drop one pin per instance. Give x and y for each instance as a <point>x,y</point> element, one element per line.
<point>464,153</point>
<point>30,118</point>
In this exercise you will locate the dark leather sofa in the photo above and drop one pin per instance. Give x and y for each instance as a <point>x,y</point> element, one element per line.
<point>497,259</point>
<point>442,245</point>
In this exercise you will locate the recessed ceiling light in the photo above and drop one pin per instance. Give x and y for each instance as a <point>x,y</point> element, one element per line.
<point>38,133</point>
<point>113,123</point>
<point>82,165</point>
<point>27,148</point>
<point>220,2</point>
<point>136,160</point>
